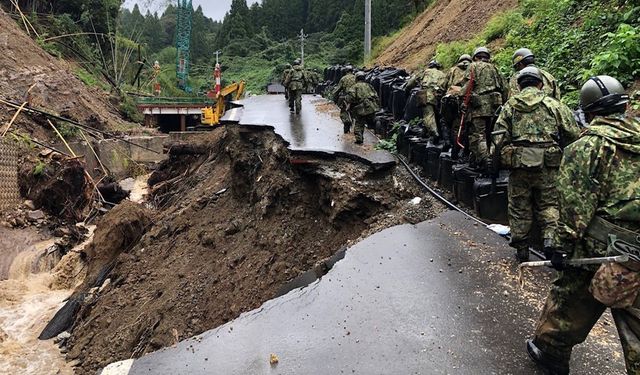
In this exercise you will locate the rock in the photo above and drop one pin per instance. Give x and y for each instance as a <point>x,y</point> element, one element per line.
<point>62,338</point>
<point>29,204</point>
<point>35,215</point>
<point>61,232</point>
<point>3,336</point>
<point>127,184</point>
<point>105,285</point>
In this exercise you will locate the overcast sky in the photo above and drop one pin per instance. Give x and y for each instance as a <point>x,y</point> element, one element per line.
<point>215,9</point>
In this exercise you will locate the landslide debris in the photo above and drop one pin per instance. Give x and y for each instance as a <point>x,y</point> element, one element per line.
<point>116,232</point>
<point>238,218</point>
<point>445,21</point>
<point>53,86</point>
<point>60,187</point>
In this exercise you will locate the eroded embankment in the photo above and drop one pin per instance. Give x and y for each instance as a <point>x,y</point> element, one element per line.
<point>237,219</point>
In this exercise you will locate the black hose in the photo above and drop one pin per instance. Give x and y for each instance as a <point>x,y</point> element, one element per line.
<point>77,124</point>
<point>437,195</point>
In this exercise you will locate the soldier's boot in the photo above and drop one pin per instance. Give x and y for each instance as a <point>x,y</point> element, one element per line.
<point>522,252</point>
<point>551,364</point>
<point>347,127</point>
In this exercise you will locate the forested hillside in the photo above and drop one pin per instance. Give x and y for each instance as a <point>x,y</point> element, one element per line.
<point>257,41</point>
<point>573,39</point>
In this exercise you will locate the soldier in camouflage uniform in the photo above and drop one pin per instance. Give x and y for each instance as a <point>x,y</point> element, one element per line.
<point>599,193</point>
<point>488,93</point>
<point>451,104</point>
<point>340,94</point>
<point>296,82</point>
<point>530,133</point>
<point>363,104</point>
<point>523,58</point>
<point>285,74</point>
<point>433,82</point>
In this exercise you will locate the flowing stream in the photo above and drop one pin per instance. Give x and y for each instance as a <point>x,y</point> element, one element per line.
<point>31,294</point>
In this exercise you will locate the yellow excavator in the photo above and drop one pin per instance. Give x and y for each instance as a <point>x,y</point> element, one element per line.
<point>211,115</point>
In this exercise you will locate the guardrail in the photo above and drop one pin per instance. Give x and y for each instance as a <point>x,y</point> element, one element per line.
<point>176,101</point>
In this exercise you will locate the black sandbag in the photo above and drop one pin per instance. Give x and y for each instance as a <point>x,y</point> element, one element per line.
<point>432,161</point>
<point>413,109</point>
<point>491,200</point>
<point>445,175</point>
<point>418,152</point>
<point>464,178</point>
<point>402,142</point>
<point>399,102</point>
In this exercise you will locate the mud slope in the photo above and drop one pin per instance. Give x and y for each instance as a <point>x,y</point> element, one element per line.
<point>238,218</point>
<point>445,21</point>
<point>23,63</point>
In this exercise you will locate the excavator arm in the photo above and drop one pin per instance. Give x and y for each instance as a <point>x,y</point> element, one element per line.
<point>211,115</point>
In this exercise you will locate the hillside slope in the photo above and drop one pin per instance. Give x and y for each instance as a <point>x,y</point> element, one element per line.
<point>445,21</point>
<point>24,63</point>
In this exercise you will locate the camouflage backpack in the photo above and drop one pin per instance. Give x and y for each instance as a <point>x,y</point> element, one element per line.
<point>364,98</point>
<point>296,79</point>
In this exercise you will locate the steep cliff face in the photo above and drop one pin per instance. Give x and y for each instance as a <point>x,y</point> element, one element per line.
<point>444,21</point>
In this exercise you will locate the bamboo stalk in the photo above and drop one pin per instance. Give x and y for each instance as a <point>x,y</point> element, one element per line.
<point>15,115</point>
<point>84,136</point>
<point>62,138</point>
<point>70,35</point>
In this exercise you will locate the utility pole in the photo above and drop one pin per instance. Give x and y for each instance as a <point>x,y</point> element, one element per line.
<point>302,39</point>
<point>218,53</point>
<point>367,30</point>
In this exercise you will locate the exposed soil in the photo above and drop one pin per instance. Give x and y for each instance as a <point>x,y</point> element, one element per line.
<point>62,188</point>
<point>236,223</point>
<point>443,22</point>
<point>24,64</point>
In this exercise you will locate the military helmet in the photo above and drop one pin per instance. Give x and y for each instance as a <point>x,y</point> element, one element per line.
<point>602,93</point>
<point>349,68</point>
<point>434,64</point>
<point>297,62</point>
<point>360,75</point>
<point>481,50</point>
<point>288,66</point>
<point>530,72</point>
<point>465,57</point>
<point>523,55</point>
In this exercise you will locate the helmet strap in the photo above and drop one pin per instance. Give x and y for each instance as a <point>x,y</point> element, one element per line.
<point>603,89</point>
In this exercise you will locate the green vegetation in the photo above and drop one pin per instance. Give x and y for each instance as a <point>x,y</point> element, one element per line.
<point>258,41</point>
<point>391,142</point>
<point>38,169</point>
<point>572,39</point>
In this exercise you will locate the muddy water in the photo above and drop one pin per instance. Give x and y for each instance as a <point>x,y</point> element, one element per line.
<point>30,295</point>
<point>26,305</point>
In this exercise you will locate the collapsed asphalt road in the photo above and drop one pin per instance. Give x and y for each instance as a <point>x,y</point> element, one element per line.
<point>439,297</point>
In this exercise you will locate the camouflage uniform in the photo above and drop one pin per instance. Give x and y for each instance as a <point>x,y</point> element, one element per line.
<point>536,127</point>
<point>451,104</point>
<point>364,103</point>
<point>296,82</point>
<point>550,85</point>
<point>339,96</point>
<point>285,74</point>
<point>433,83</point>
<point>489,92</point>
<point>598,180</point>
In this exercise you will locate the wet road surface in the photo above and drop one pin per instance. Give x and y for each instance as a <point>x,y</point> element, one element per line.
<point>440,297</point>
<point>316,129</point>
